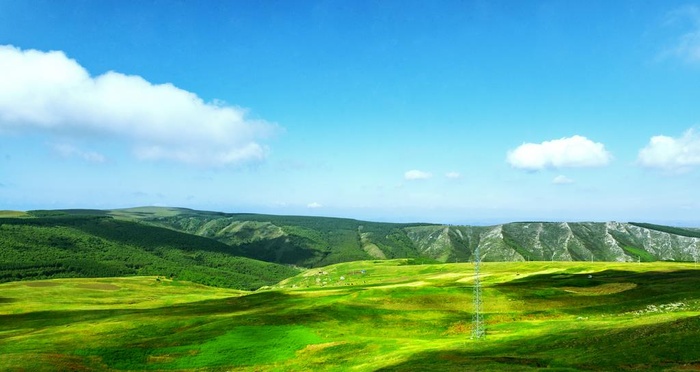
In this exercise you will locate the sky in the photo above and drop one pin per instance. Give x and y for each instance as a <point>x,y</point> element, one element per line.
<point>460,112</point>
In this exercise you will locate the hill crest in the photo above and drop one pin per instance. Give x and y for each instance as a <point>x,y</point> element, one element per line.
<point>319,241</point>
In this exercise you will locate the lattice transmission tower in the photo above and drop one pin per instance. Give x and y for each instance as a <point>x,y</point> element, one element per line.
<point>478,330</point>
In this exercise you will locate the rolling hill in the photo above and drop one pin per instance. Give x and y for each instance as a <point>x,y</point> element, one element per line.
<point>364,316</point>
<point>319,241</point>
<point>247,251</point>
<point>70,246</point>
<point>122,290</point>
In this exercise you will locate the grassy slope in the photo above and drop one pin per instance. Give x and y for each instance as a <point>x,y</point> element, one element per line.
<point>298,240</point>
<point>15,214</point>
<point>320,241</point>
<point>364,316</point>
<point>93,246</point>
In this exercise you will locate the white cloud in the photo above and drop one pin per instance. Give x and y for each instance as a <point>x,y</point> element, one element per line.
<point>562,180</point>
<point>69,151</point>
<point>417,175</point>
<point>197,155</point>
<point>568,152</point>
<point>314,205</point>
<point>453,175</point>
<point>673,154</point>
<point>687,46</point>
<point>47,91</point>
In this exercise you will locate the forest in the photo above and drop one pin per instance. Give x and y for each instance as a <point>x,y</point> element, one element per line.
<point>71,246</point>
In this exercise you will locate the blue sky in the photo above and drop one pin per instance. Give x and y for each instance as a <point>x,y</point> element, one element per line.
<point>446,111</point>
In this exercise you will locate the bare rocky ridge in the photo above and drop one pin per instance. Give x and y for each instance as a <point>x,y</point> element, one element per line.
<point>545,241</point>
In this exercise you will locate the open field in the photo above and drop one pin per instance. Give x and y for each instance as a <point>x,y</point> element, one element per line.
<point>364,316</point>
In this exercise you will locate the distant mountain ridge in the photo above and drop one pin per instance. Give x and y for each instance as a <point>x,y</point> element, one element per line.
<point>216,248</point>
<point>579,241</point>
<point>319,241</point>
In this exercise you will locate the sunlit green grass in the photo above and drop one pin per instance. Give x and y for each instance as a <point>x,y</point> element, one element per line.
<point>12,214</point>
<point>364,316</point>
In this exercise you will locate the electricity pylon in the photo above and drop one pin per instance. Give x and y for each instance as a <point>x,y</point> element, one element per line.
<point>478,331</point>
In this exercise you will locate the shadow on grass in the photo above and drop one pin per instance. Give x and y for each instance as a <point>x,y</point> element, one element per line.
<point>668,345</point>
<point>259,302</point>
<point>186,327</point>
<point>554,290</point>
<point>453,360</point>
<point>263,308</point>
<point>606,276</point>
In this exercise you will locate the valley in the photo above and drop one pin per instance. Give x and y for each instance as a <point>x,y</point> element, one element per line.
<point>176,289</point>
<point>364,316</point>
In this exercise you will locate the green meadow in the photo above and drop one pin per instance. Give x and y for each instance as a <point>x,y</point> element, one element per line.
<point>396,315</point>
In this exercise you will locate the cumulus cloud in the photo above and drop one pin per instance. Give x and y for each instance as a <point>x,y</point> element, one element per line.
<point>453,175</point>
<point>671,154</point>
<point>49,92</point>
<point>314,205</point>
<point>687,46</point>
<point>562,180</point>
<point>417,175</point>
<point>568,152</point>
<point>70,151</point>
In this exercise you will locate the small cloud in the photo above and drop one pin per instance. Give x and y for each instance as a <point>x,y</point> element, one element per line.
<point>70,151</point>
<point>568,152</point>
<point>417,175</point>
<point>314,205</point>
<point>671,154</point>
<point>453,175</point>
<point>562,180</point>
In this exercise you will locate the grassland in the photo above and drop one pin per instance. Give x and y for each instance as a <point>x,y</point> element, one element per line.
<point>364,316</point>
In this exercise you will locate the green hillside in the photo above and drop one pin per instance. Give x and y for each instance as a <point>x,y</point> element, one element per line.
<point>364,316</point>
<point>302,241</point>
<point>320,241</point>
<point>60,245</point>
<point>208,247</point>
